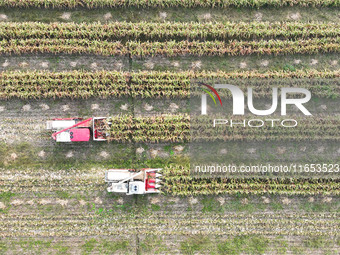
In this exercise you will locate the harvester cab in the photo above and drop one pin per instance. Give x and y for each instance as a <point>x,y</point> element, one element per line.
<point>79,130</point>
<point>130,182</point>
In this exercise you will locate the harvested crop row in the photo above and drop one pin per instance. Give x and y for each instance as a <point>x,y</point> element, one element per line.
<point>170,48</point>
<point>83,84</point>
<point>46,180</point>
<point>166,3</point>
<point>168,31</point>
<point>314,224</point>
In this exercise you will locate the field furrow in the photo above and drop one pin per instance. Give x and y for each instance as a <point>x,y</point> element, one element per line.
<point>165,3</point>
<point>84,225</point>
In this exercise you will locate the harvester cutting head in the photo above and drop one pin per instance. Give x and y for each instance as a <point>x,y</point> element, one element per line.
<point>131,182</point>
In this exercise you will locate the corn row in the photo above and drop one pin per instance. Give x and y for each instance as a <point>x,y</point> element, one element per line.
<point>248,186</point>
<point>179,181</point>
<point>166,3</point>
<point>104,84</point>
<point>321,128</point>
<point>168,128</point>
<point>170,48</point>
<point>167,31</point>
<point>76,84</point>
<point>176,128</point>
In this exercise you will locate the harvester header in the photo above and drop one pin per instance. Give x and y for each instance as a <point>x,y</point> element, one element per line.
<point>131,182</point>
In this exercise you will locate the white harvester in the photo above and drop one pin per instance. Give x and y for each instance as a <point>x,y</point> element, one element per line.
<point>132,182</point>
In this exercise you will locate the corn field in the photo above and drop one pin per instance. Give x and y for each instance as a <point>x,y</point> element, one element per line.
<point>57,59</point>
